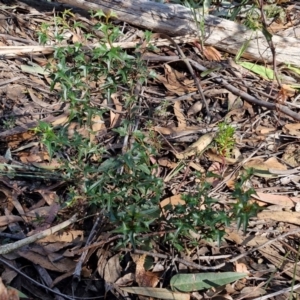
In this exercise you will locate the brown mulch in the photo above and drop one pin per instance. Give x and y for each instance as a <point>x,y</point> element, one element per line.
<point>73,265</point>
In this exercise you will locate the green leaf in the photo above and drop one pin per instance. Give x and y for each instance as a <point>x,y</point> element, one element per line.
<point>264,72</point>
<point>294,69</point>
<point>99,13</point>
<point>34,69</point>
<point>109,164</point>
<point>144,168</point>
<point>242,50</point>
<point>201,281</point>
<point>156,293</point>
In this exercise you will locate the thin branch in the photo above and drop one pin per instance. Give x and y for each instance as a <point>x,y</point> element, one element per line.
<point>272,106</point>
<point>31,239</point>
<point>269,39</point>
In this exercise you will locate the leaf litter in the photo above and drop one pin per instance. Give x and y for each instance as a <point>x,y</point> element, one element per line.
<point>266,141</point>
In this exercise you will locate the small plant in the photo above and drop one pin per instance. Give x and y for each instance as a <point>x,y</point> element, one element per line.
<point>242,210</point>
<point>225,139</point>
<point>198,215</point>
<point>48,137</point>
<point>128,189</point>
<point>43,34</point>
<point>162,109</point>
<point>9,123</point>
<point>123,185</point>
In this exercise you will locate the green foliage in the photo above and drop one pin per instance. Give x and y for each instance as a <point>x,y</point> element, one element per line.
<point>43,34</point>
<point>128,191</point>
<point>9,123</point>
<point>243,210</point>
<point>201,281</point>
<point>225,139</point>
<point>253,18</point>
<point>123,186</point>
<point>198,215</point>
<point>48,137</point>
<point>275,11</point>
<point>77,66</point>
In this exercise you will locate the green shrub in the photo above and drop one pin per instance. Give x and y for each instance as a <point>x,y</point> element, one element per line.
<point>123,186</point>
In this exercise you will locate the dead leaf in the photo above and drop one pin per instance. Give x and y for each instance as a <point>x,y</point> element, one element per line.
<point>238,237</point>
<point>262,130</point>
<point>282,95</point>
<point>15,200</point>
<point>15,92</point>
<point>234,103</point>
<point>165,162</point>
<point>179,115</point>
<point>174,200</point>
<point>97,126</point>
<point>8,275</point>
<point>41,156</point>
<point>195,108</point>
<point>145,278</point>
<point>58,279</point>
<point>252,292</point>
<point>211,53</point>
<point>126,280</point>
<point>158,293</point>
<point>197,147</point>
<point>61,119</point>
<point>115,118</point>
<point>66,237</point>
<point>230,180</point>
<point>39,211</point>
<point>280,216</point>
<point>57,263</point>
<point>176,82</point>
<point>5,220</point>
<point>36,99</point>
<point>6,294</point>
<point>261,168</point>
<point>274,27</point>
<point>75,38</point>
<point>291,155</point>
<point>234,235</point>
<point>213,156</point>
<point>112,270</point>
<point>292,129</point>
<point>241,267</point>
<point>54,164</point>
<point>196,167</point>
<point>175,130</point>
<point>290,91</point>
<point>281,200</point>
<point>103,256</point>
<point>50,197</point>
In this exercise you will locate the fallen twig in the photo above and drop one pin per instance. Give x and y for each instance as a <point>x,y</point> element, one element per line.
<point>245,96</point>
<point>3,261</point>
<point>31,239</point>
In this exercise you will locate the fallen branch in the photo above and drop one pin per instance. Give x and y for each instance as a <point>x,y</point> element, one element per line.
<point>176,20</point>
<point>31,239</point>
<point>238,92</point>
